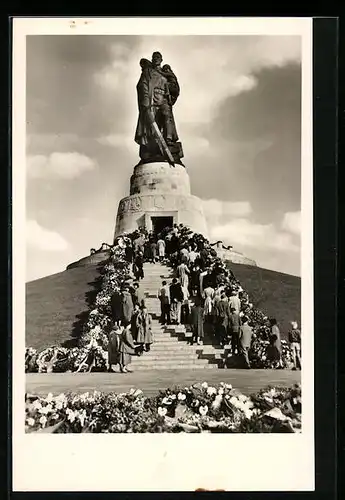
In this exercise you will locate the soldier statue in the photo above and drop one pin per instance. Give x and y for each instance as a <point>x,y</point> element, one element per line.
<point>156,133</point>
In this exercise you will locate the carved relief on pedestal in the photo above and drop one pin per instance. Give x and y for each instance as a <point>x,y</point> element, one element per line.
<point>135,204</point>
<point>168,202</point>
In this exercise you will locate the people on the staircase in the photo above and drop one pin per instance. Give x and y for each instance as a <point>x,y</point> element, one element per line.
<point>127,306</point>
<point>185,309</point>
<point>153,250</point>
<point>234,330</point>
<point>182,274</point>
<point>197,322</point>
<point>138,295</point>
<point>235,301</point>
<point>161,249</point>
<point>120,348</point>
<point>275,347</point>
<point>202,277</point>
<point>114,340</point>
<point>222,313</point>
<point>176,298</point>
<point>192,255</point>
<point>138,269</point>
<point>295,344</point>
<point>116,307</point>
<point>144,329</point>
<point>134,328</point>
<point>164,297</point>
<point>246,334</point>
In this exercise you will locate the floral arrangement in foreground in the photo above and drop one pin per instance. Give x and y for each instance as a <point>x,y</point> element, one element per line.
<point>198,408</point>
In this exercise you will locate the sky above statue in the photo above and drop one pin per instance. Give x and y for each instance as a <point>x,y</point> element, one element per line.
<point>238,117</point>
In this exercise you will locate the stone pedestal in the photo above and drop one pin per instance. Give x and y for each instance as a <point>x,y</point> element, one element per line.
<point>159,194</point>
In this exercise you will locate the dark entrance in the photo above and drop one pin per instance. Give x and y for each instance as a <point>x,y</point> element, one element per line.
<point>160,223</point>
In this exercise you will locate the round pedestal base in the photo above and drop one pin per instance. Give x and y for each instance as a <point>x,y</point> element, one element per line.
<point>154,212</point>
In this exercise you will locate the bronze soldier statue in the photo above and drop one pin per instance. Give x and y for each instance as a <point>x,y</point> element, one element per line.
<point>156,133</point>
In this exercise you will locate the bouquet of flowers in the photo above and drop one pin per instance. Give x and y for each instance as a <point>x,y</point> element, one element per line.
<point>198,408</point>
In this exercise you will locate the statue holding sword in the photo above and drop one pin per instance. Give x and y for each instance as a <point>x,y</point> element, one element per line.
<point>156,133</point>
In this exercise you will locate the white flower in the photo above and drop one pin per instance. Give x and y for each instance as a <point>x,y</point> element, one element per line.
<point>30,421</point>
<point>70,415</point>
<point>162,411</point>
<point>44,410</point>
<point>82,417</point>
<point>94,311</point>
<point>166,401</point>
<point>220,391</point>
<point>203,410</point>
<point>96,329</point>
<point>211,390</point>
<point>37,404</point>
<point>204,385</point>
<point>173,396</point>
<point>248,413</point>
<point>84,397</point>
<point>242,397</point>
<point>49,398</point>
<point>43,420</point>
<point>181,396</point>
<point>138,392</point>
<point>218,399</point>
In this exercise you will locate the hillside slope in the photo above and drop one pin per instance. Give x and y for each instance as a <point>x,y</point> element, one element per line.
<point>57,305</point>
<point>278,295</point>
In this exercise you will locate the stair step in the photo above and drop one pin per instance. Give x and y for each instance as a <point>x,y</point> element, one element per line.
<point>175,367</point>
<point>170,362</point>
<point>172,356</point>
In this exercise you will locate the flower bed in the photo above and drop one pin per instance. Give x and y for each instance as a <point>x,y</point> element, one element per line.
<point>198,408</point>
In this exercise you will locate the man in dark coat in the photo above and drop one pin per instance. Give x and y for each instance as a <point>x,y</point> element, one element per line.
<point>234,329</point>
<point>138,269</point>
<point>197,322</point>
<point>176,299</point>
<point>222,309</point>
<point>127,306</point>
<point>116,307</point>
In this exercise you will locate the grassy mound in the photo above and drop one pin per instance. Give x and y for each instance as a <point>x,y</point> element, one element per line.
<point>277,294</point>
<point>57,305</point>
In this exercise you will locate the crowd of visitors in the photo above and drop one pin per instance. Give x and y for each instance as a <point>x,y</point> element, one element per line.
<point>204,295</point>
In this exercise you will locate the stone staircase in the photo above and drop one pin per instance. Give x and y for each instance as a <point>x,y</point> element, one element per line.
<point>170,349</point>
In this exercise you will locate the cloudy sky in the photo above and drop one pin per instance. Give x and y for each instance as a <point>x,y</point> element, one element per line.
<point>238,117</point>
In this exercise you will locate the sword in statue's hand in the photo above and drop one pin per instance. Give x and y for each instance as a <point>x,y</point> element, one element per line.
<point>160,140</point>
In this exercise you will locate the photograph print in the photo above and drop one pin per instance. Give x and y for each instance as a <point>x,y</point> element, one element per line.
<point>163,234</point>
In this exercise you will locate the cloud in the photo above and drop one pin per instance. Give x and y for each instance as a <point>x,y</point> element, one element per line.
<point>219,209</point>
<point>292,222</point>
<point>243,232</point>
<point>43,239</point>
<point>59,165</point>
<point>118,141</point>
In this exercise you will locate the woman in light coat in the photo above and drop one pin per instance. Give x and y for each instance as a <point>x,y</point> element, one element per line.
<point>126,349</point>
<point>144,331</point>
